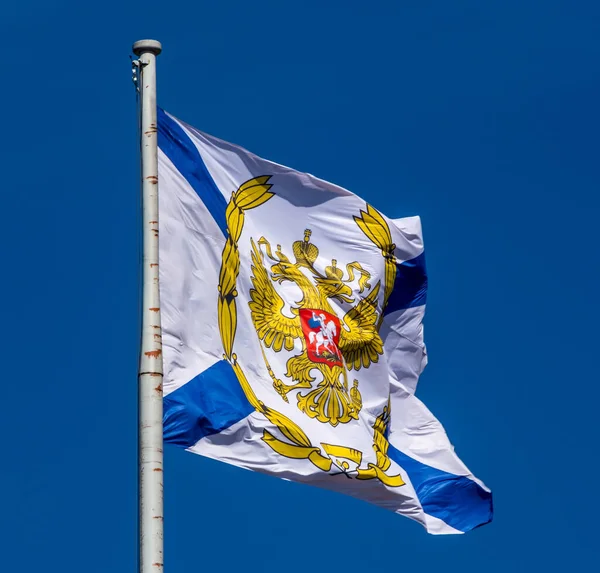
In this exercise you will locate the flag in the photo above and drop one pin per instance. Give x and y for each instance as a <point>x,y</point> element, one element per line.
<point>292,333</point>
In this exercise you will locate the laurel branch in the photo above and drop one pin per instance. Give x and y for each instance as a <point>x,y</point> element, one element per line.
<point>375,227</point>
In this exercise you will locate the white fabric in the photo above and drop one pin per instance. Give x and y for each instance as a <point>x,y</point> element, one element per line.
<point>189,259</point>
<point>191,247</point>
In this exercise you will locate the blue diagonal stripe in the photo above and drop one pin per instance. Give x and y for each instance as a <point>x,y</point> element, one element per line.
<point>208,404</point>
<point>410,286</point>
<point>180,149</point>
<point>456,500</point>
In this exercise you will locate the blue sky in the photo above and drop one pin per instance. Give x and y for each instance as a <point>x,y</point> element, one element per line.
<point>481,117</point>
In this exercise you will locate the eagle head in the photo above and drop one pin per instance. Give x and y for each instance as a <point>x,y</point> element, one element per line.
<point>331,287</point>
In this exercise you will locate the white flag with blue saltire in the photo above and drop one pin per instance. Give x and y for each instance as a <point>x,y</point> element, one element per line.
<point>292,333</point>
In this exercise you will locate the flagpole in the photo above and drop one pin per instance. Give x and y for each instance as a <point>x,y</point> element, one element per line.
<point>150,394</point>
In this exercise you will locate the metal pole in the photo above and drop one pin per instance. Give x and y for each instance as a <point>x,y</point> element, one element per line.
<point>150,436</point>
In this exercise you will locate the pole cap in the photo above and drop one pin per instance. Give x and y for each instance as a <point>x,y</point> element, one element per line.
<point>152,46</point>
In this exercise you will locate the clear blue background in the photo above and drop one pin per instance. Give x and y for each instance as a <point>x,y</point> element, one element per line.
<point>482,117</point>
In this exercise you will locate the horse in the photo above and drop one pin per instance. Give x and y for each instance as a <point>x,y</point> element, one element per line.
<point>325,337</point>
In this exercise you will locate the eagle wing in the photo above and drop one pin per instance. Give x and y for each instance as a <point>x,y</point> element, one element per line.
<point>272,326</point>
<point>360,342</point>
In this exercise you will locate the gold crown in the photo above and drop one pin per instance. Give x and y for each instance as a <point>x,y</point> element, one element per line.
<point>304,251</point>
<point>333,272</point>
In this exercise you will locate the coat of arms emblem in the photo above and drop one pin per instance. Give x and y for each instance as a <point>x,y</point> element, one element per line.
<point>329,346</point>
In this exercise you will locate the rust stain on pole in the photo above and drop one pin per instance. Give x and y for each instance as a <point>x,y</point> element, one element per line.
<point>153,353</point>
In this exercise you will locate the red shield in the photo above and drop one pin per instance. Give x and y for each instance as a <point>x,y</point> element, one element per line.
<point>322,333</point>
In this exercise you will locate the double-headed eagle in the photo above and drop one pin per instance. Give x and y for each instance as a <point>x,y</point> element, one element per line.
<point>359,342</point>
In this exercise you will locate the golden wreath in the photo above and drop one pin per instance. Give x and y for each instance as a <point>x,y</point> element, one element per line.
<point>251,194</point>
